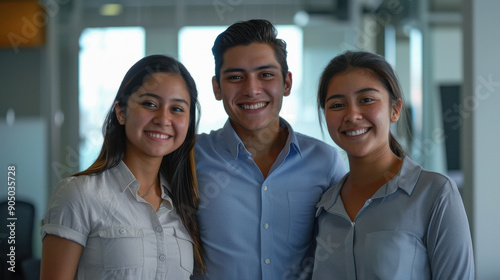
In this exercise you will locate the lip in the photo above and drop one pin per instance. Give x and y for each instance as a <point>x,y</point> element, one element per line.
<point>356,132</point>
<point>253,106</point>
<point>158,136</point>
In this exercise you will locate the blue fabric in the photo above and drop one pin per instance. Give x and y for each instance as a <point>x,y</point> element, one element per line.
<point>255,227</point>
<point>413,227</point>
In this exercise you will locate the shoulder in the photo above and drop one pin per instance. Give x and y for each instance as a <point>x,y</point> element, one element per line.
<point>70,186</point>
<point>414,178</point>
<point>205,138</point>
<point>79,188</point>
<point>440,182</point>
<point>306,142</point>
<point>314,149</point>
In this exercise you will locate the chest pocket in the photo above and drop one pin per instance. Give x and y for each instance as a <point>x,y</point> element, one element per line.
<point>185,249</point>
<point>122,247</point>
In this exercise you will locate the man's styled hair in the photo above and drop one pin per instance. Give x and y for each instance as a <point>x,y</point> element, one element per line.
<point>245,33</point>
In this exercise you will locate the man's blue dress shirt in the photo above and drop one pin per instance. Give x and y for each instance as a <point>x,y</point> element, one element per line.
<point>254,227</point>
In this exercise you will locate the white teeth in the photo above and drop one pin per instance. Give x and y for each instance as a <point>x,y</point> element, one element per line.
<point>254,106</point>
<point>356,132</point>
<point>157,135</point>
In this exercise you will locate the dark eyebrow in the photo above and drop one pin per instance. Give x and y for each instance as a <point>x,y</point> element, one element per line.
<point>357,92</point>
<point>235,69</point>
<point>179,100</point>
<point>366,90</point>
<point>150,95</point>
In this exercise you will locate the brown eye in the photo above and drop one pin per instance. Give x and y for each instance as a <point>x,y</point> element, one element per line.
<point>149,104</point>
<point>178,109</point>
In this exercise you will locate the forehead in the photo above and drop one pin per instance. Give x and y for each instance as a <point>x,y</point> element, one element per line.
<point>164,85</point>
<point>249,56</point>
<point>353,80</point>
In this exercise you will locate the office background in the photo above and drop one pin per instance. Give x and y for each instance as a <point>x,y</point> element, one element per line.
<point>54,54</point>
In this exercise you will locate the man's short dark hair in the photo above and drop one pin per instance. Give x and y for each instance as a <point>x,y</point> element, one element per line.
<point>245,33</point>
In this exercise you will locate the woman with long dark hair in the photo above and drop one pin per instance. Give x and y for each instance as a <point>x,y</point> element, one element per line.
<point>132,213</point>
<point>388,218</point>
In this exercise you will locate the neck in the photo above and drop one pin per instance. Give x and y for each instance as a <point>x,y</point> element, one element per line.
<point>266,141</point>
<point>144,170</point>
<point>374,170</point>
<point>265,144</point>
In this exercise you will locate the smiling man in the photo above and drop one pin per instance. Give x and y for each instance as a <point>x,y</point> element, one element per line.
<point>259,181</point>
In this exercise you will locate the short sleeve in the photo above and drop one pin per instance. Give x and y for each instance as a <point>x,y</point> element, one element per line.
<point>67,214</point>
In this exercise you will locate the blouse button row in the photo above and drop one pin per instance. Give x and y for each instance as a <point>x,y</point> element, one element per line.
<point>159,229</point>
<point>162,257</point>
<point>122,231</point>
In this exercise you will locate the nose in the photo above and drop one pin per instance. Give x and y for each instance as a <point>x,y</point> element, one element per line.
<point>163,117</point>
<point>352,114</point>
<point>252,86</point>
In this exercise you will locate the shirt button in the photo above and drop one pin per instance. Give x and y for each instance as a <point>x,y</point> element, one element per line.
<point>122,231</point>
<point>265,188</point>
<point>159,229</point>
<point>267,261</point>
<point>162,257</point>
<point>266,225</point>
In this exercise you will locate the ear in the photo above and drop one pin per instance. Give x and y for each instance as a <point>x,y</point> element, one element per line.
<point>396,110</point>
<point>216,88</point>
<point>288,83</point>
<point>120,113</point>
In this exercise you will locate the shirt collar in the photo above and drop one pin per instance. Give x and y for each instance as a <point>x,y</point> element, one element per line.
<point>235,145</point>
<point>125,177</point>
<point>126,180</point>
<point>406,179</point>
<point>408,176</point>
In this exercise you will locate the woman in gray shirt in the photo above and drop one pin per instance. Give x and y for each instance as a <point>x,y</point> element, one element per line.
<point>387,218</point>
<point>131,214</point>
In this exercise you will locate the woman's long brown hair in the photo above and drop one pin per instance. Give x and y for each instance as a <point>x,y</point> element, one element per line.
<point>177,167</point>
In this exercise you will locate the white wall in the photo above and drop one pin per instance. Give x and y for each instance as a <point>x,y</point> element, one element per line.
<point>479,114</point>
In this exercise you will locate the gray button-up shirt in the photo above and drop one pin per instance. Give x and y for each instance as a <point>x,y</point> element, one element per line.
<point>123,236</point>
<point>413,227</point>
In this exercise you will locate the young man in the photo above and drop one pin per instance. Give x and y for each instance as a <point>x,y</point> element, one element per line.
<point>259,181</point>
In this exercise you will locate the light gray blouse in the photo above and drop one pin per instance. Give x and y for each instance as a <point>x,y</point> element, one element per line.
<point>123,236</point>
<point>413,227</point>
